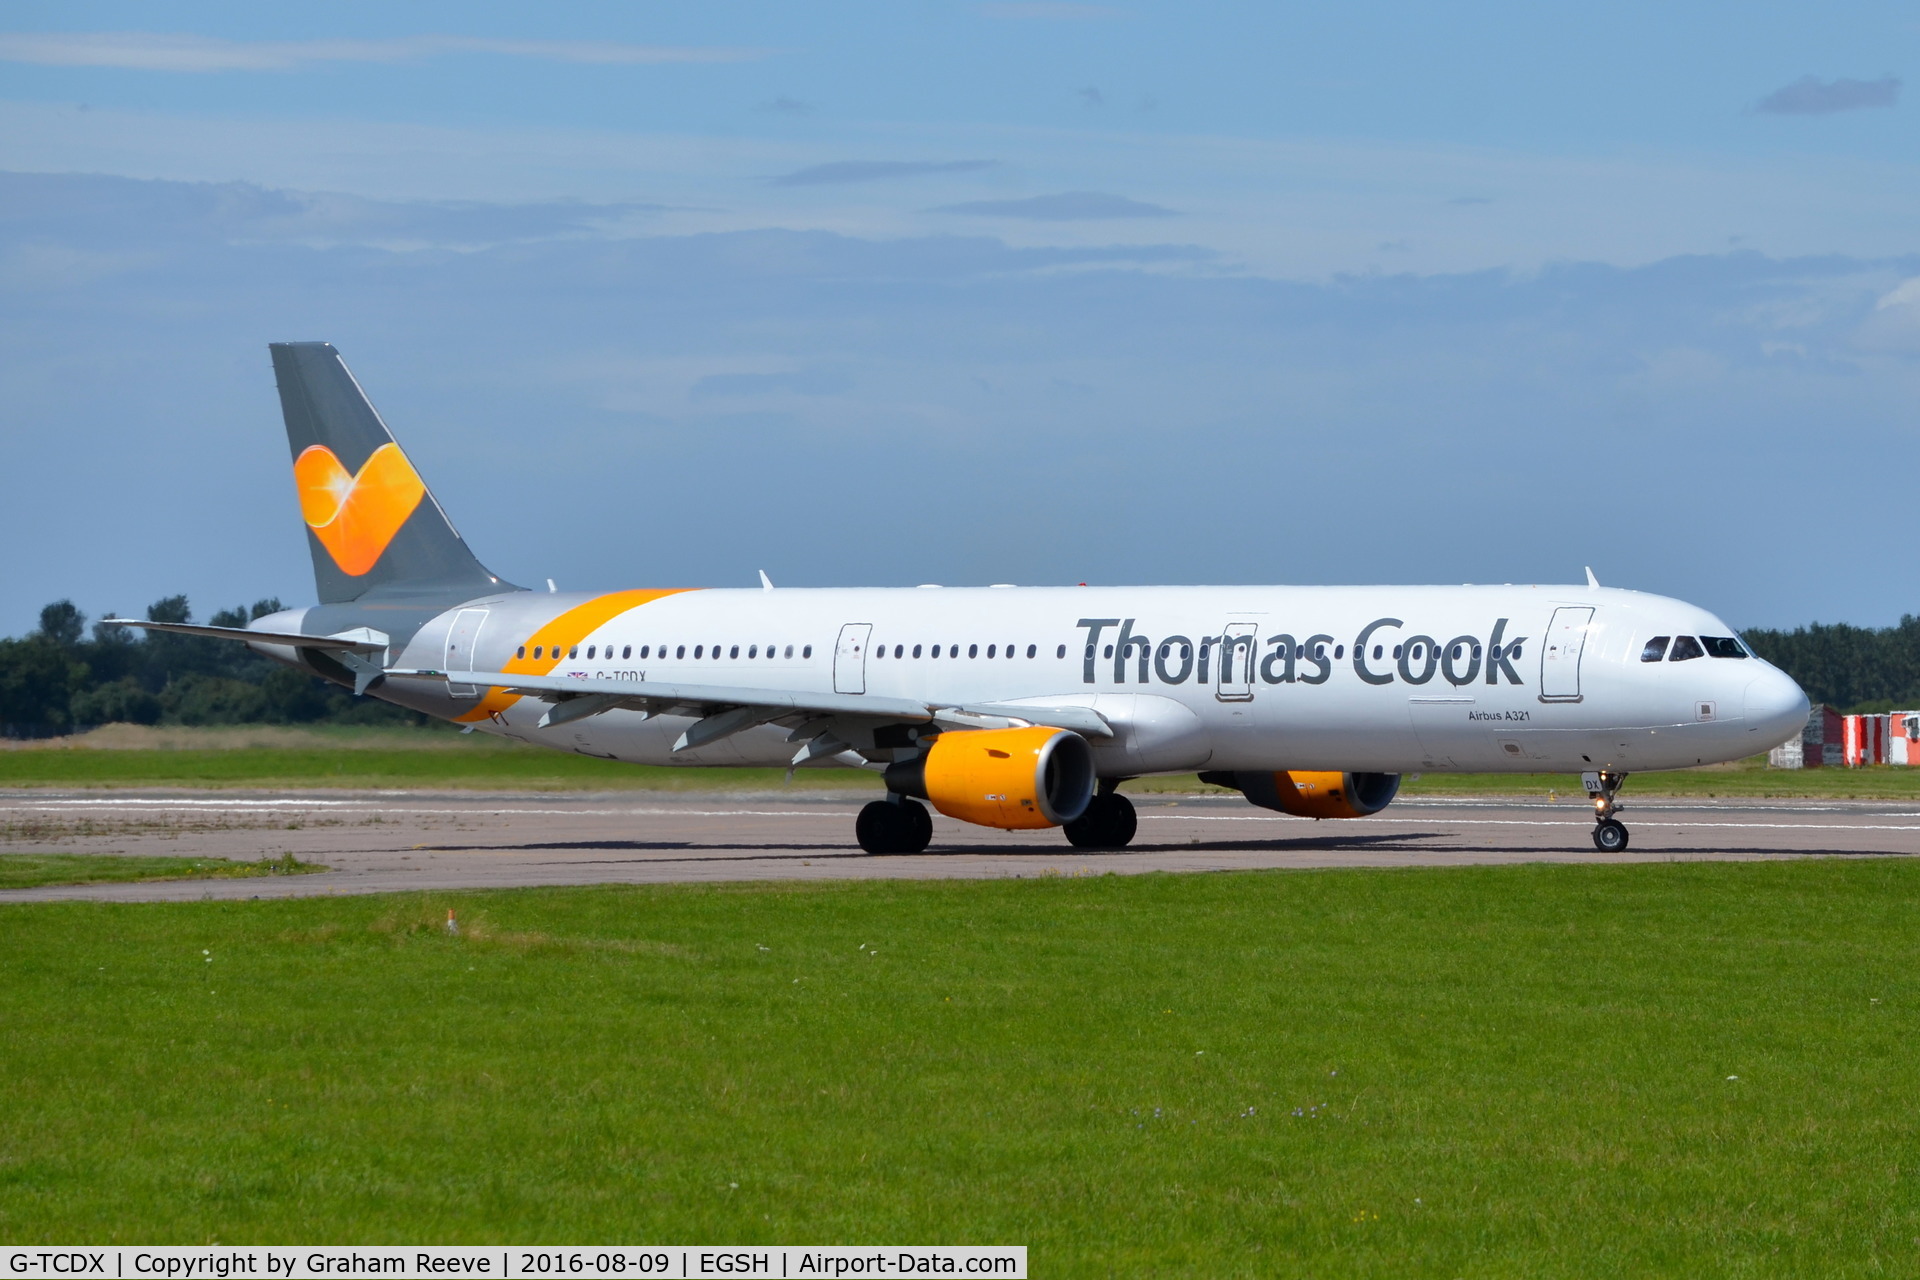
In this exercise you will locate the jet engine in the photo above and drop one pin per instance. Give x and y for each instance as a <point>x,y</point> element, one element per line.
<point>1313,795</point>
<point>1014,779</point>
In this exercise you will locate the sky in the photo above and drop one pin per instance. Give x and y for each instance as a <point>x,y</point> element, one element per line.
<point>976,292</point>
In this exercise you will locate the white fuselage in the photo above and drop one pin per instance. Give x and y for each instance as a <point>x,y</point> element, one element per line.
<point>1467,679</point>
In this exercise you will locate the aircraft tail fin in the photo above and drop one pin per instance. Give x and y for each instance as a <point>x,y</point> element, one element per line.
<point>371,521</point>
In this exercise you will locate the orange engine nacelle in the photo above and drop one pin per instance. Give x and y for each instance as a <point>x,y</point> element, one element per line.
<point>1014,779</point>
<point>1312,794</point>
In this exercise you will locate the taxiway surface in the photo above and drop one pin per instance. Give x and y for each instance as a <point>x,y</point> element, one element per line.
<point>397,842</point>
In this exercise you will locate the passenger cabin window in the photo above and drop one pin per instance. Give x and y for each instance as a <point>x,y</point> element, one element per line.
<point>645,649</point>
<point>1723,647</point>
<point>681,652</point>
<point>916,651</point>
<point>1031,649</point>
<point>521,652</point>
<point>1656,649</point>
<point>1061,652</point>
<point>973,651</point>
<point>990,650</point>
<point>590,649</point>
<point>574,652</point>
<point>1685,647</point>
<point>699,649</point>
<point>805,653</point>
<point>626,651</point>
<point>734,652</point>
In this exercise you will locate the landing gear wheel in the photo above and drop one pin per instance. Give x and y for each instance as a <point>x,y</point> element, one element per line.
<point>1610,836</point>
<point>919,826</point>
<point>893,826</point>
<point>1108,823</point>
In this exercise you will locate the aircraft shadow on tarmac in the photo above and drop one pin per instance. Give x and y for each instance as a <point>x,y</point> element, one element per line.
<point>744,851</point>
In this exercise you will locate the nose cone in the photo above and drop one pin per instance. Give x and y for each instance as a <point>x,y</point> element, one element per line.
<point>1776,709</point>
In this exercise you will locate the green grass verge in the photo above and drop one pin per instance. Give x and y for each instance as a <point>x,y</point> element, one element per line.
<point>1480,1071</point>
<point>1880,782</point>
<point>29,870</point>
<point>489,768</point>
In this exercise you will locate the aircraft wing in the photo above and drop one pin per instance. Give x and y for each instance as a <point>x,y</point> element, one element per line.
<point>361,641</point>
<point>721,710</point>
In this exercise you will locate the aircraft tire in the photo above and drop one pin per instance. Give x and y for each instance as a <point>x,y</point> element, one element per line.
<point>918,827</point>
<point>1108,823</point>
<point>877,827</point>
<point>1610,836</point>
<point>887,826</point>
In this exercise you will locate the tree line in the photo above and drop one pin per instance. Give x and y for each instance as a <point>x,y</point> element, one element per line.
<point>60,678</point>
<point>1853,669</point>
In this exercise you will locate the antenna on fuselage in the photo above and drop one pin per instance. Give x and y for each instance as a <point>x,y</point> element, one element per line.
<point>1591,580</point>
<point>766,583</point>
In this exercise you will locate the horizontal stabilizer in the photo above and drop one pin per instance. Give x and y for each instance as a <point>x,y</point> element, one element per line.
<point>360,642</point>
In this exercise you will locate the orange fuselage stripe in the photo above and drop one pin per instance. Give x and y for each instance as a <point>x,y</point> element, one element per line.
<point>556,636</point>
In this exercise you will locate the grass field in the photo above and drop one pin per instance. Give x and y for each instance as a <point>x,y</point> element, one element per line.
<point>1680,1069</point>
<point>433,758</point>
<point>27,870</point>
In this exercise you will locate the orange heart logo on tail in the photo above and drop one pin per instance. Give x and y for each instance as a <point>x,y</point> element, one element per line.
<point>356,516</point>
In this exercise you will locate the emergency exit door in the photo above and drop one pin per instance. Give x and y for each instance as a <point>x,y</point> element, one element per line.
<point>1239,642</point>
<point>850,658</point>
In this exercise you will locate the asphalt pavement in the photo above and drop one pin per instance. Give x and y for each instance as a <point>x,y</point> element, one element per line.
<point>380,842</point>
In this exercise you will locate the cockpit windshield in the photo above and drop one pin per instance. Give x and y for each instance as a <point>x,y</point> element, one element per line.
<point>1656,649</point>
<point>1684,648</point>
<point>1723,647</point>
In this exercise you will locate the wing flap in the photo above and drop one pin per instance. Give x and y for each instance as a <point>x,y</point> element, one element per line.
<point>701,700</point>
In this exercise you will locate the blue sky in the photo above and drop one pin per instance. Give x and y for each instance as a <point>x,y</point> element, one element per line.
<point>1032,292</point>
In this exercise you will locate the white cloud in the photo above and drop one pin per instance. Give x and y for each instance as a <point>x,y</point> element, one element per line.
<point>1903,295</point>
<point>1302,208</point>
<point>154,51</point>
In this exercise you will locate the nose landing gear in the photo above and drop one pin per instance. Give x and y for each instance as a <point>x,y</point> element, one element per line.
<point>1609,833</point>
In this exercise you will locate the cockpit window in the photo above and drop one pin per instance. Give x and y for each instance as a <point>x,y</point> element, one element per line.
<point>1685,647</point>
<point>1656,649</point>
<point>1723,647</point>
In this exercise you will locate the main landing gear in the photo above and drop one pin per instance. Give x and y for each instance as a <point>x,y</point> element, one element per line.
<point>1609,833</point>
<point>894,825</point>
<point>1108,823</point>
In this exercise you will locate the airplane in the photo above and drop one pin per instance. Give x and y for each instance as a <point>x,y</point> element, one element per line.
<point>1019,708</point>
